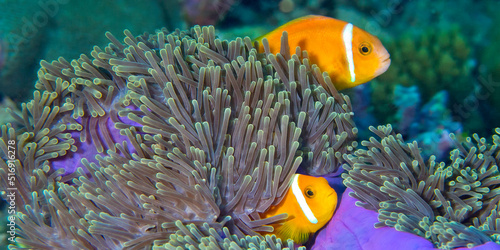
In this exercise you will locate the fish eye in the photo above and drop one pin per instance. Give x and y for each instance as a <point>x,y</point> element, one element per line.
<point>365,48</point>
<point>309,192</point>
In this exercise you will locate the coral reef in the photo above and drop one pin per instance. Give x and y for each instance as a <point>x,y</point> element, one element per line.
<point>451,205</point>
<point>192,137</point>
<point>428,124</point>
<point>437,59</point>
<point>489,71</point>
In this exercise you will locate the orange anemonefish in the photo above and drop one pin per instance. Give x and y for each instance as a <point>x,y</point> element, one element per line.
<point>350,55</point>
<point>309,203</point>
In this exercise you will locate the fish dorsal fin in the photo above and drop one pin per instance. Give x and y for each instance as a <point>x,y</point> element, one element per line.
<point>307,18</point>
<point>290,231</point>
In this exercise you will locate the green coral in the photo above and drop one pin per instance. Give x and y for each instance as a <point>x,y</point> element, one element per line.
<point>435,60</point>
<point>490,67</point>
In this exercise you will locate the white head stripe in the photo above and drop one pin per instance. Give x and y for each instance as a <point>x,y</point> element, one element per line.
<point>299,196</point>
<point>347,38</point>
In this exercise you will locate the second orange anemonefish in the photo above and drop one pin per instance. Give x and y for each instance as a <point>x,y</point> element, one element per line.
<point>309,203</point>
<point>350,55</point>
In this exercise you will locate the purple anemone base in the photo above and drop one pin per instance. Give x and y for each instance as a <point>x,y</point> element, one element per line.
<point>86,149</point>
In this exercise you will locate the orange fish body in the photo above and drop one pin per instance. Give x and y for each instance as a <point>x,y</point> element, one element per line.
<point>309,203</point>
<point>350,55</point>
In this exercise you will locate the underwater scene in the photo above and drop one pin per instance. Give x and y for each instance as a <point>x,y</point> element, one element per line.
<point>238,124</point>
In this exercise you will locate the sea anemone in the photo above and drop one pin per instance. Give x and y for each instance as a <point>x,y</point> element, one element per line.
<point>170,139</point>
<point>452,205</point>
